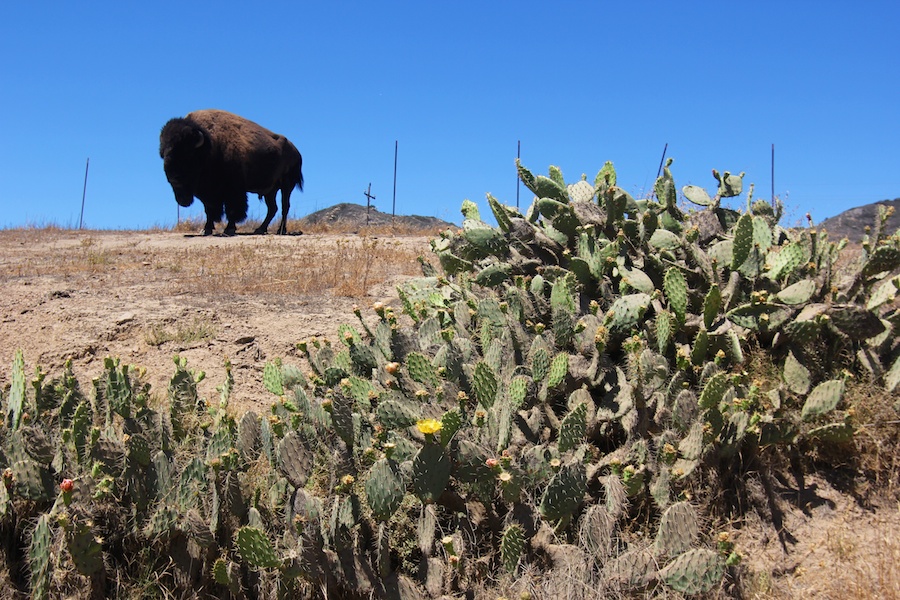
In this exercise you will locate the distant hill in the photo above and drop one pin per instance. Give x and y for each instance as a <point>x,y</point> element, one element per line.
<point>348,216</point>
<point>852,223</point>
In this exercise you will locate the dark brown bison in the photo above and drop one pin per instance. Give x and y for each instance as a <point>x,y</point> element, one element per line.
<point>218,157</point>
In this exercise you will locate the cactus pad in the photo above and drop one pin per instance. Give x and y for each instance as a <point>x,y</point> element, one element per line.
<point>787,260</point>
<point>430,472</point>
<point>420,369</point>
<point>796,376</point>
<point>393,414</point>
<point>714,390</point>
<point>626,313</point>
<point>254,547</point>
<point>512,542</point>
<point>559,368</point>
<point>272,378</point>
<point>384,488</point>
<point>84,548</point>
<point>32,481</point>
<point>572,428</point>
<point>798,293</point>
<point>822,399</point>
<point>540,363</point>
<point>678,530</point>
<point>295,461</point>
<point>39,558</point>
<point>564,492</point>
<point>694,572</point>
<point>743,241</point>
<point>485,384</point>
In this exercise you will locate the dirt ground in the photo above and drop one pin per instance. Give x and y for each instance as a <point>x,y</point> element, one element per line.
<point>89,295</point>
<point>146,296</point>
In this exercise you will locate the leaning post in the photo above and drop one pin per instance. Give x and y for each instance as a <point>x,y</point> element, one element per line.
<point>84,192</point>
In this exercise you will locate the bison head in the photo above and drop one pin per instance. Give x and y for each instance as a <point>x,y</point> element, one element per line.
<point>183,146</point>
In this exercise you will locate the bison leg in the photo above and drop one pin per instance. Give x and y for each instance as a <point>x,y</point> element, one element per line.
<point>271,207</point>
<point>285,207</point>
<point>214,211</point>
<point>235,212</point>
<point>210,223</point>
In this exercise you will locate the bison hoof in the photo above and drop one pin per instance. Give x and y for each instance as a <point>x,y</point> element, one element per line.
<point>207,232</point>
<point>260,231</point>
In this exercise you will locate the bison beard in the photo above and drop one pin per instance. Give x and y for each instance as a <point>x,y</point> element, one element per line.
<point>218,157</point>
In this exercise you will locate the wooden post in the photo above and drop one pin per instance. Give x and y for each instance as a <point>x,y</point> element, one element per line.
<point>369,198</point>
<point>84,192</point>
<point>662,160</point>
<point>773,175</point>
<point>394,203</point>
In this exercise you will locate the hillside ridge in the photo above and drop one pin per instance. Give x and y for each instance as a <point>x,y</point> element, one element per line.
<point>347,213</point>
<point>852,223</point>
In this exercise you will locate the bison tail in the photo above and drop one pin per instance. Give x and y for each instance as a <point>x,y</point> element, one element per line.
<point>300,174</point>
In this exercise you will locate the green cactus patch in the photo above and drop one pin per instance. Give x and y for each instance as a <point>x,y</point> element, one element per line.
<point>559,368</point>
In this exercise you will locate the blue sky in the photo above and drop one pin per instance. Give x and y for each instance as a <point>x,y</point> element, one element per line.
<point>457,84</point>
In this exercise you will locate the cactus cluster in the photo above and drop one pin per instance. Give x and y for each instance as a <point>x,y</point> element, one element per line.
<point>572,367</point>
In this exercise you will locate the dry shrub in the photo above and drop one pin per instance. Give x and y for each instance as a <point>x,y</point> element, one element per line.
<point>195,330</point>
<point>877,438</point>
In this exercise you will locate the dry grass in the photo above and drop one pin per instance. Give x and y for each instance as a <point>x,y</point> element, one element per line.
<point>851,563</point>
<point>345,266</point>
<point>340,265</point>
<point>334,228</point>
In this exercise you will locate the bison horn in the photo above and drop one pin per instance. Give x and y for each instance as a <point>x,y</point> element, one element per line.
<point>200,139</point>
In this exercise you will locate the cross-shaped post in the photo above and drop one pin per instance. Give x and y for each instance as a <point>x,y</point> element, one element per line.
<point>369,198</point>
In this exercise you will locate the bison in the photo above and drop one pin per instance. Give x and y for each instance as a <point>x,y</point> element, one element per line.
<point>218,157</point>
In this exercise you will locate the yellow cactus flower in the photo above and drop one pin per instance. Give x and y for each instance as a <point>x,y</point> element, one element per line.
<point>429,426</point>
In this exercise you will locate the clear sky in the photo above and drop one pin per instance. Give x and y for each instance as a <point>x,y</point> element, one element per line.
<point>458,84</point>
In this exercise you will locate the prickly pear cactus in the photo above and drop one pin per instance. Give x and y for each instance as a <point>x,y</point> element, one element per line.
<point>556,394</point>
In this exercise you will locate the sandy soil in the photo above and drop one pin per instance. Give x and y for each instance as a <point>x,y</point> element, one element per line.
<point>88,295</point>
